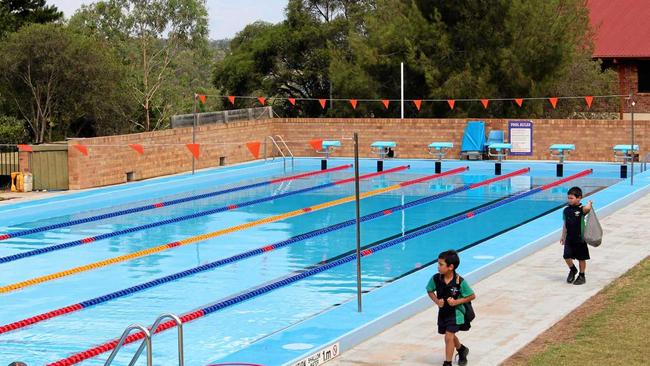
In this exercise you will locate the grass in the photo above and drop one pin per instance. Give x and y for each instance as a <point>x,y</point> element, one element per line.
<point>612,328</point>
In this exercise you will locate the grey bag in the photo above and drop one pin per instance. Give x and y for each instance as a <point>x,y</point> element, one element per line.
<point>593,231</point>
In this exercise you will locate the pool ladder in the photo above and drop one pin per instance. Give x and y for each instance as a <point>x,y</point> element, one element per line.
<point>280,150</point>
<point>147,340</point>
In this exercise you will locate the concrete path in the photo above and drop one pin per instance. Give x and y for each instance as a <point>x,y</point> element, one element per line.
<point>518,303</point>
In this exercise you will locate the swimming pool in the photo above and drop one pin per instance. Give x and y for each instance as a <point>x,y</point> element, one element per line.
<point>236,222</point>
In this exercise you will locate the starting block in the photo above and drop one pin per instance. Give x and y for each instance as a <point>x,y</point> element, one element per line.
<point>560,152</point>
<point>383,149</point>
<point>328,147</point>
<point>500,152</point>
<point>625,154</point>
<point>439,150</point>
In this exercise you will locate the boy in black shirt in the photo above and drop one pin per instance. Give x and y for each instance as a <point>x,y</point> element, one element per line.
<point>449,291</point>
<point>574,243</point>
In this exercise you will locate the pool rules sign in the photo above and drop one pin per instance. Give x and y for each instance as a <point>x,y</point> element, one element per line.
<point>521,137</point>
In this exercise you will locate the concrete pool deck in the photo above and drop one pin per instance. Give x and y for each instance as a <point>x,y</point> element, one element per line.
<point>516,304</point>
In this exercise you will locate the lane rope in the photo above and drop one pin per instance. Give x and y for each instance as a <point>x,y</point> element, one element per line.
<point>194,239</point>
<point>162,204</point>
<point>294,277</point>
<point>173,220</point>
<point>244,255</point>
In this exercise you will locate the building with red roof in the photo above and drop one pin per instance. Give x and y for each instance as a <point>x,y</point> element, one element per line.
<point>622,41</point>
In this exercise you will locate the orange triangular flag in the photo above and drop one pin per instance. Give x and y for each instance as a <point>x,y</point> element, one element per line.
<point>25,148</point>
<point>451,103</point>
<point>292,101</point>
<point>194,149</point>
<point>201,97</point>
<point>589,100</point>
<point>82,149</point>
<point>353,103</point>
<point>138,148</point>
<point>231,98</point>
<point>519,101</point>
<point>322,102</point>
<point>316,144</point>
<point>553,101</point>
<point>418,103</point>
<point>385,102</point>
<point>254,148</point>
<point>485,103</point>
<point>262,100</point>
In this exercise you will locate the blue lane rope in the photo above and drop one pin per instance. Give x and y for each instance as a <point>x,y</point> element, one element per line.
<point>159,205</point>
<point>31,253</point>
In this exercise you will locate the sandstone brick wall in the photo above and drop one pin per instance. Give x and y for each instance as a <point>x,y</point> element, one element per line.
<point>165,152</point>
<point>593,138</point>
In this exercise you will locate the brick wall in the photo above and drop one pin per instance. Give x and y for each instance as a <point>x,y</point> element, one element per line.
<point>165,151</point>
<point>593,138</point>
<point>628,77</point>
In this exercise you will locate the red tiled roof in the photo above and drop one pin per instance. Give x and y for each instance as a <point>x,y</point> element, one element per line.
<point>622,27</point>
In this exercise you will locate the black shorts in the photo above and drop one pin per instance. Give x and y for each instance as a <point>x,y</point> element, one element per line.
<point>578,251</point>
<point>447,325</point>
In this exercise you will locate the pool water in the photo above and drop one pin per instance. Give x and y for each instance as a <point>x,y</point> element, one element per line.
<point>235,327</point>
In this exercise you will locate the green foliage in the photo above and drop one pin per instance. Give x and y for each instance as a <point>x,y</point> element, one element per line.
<point>451,50</point>
<point>291,58</point>
<point>12,131</point>
<point>16,13</point>
<point>164,45</point>
<point>60,82</point>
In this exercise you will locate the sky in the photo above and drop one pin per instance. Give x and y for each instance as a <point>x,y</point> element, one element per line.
<point>226,17</point>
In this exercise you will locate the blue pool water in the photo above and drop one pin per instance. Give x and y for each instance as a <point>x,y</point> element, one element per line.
<point>236,327</point>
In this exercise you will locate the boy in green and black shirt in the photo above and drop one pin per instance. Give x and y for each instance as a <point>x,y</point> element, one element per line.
<point>449,291</point>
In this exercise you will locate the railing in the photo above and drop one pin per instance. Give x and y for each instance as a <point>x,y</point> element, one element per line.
<point>644,164</point>
<point>147,340</point>
<point>277,146</point>
<point>248,114</point>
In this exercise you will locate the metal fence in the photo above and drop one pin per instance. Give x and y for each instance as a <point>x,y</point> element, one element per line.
<point>186,120</point>
<point>8,164</point>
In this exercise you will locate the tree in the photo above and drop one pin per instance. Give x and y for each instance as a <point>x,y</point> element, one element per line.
<point>12,131</point>
<point>152,37</point>
<point>290,59</point>
<point>475,49</point>
<point>451,50</point>
<point>16,13</point>
<point>53,77</point>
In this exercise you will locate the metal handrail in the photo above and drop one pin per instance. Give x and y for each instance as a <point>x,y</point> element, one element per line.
<point>179,325</point>
<point>644,165</point>
<point>275,144</point>
<point>287,147</point>
<point>127,331</point>
<point>284,157</point>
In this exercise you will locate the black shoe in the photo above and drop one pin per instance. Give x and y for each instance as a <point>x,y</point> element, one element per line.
<point>572,275</point>
<point>581,280</point>
<point>462,355</point>
<point>446,363</point>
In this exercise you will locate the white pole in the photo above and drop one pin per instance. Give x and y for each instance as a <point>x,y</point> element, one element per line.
<point>402,87</point>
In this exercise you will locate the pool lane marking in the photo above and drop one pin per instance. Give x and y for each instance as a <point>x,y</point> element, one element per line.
<point>197,238</point>
<point>291,278</point>
<point>241,256</point>
<point>128,211</point>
